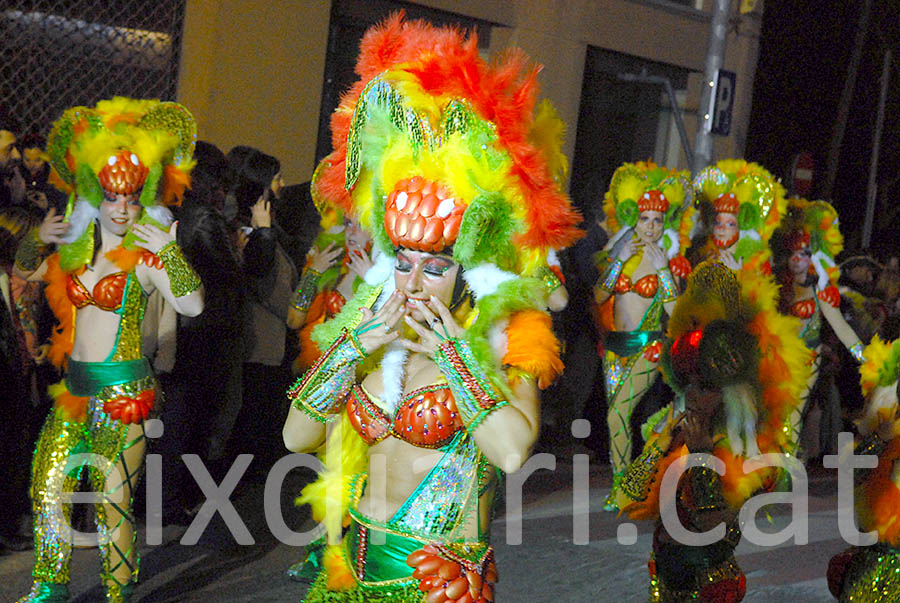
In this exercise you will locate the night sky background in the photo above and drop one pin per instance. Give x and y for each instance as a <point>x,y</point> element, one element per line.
<point>805,53</point>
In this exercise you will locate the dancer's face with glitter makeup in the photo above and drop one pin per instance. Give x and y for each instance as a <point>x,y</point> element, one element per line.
<point>118,212</point>
<point>650,226</point>
<point>725,230</point>
<point>420,275</point>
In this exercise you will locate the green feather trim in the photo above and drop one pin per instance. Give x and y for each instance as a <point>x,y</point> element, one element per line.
<point>485,234</point>
<point>79,252</point>
<point>511,296</point>
<point>349,316</point>
<point>88,186</point>
<point>379,233</point>
<point>148,194</point>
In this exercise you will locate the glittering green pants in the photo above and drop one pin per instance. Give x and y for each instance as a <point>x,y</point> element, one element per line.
<point>64,450</point>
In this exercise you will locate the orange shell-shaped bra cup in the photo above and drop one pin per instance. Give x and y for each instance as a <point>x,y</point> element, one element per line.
<point>123,174</point>
<point>428,419</point>
<point>727,204</point>
<point>422,215</point>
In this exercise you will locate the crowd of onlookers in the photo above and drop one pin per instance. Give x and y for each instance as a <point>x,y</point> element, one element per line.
<point>223,374</point>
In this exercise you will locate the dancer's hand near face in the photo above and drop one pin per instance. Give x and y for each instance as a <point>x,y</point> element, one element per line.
<point>656,256</point>
<point>323,259</point>
<point>437,326</point>
<point>379,328</point>
<point>360,262</point>
<point>52,229</point>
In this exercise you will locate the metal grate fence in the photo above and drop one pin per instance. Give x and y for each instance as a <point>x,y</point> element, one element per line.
<point>55,54</point>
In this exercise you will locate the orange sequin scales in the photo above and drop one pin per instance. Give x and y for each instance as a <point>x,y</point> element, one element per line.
<point>123,174</point>
<point>422,215</point>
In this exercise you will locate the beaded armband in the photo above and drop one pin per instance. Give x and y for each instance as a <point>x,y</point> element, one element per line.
<point>667,289</point>
<point>31,252</point>
<point>306,291</point>
<point>182,278</point>
<point>475,397</point>
<point>857,351</point>
<point>706,490</point>
<point>549,278</point>
<point>322,389</point>
<point>635,482</point>
<point>611,277</point>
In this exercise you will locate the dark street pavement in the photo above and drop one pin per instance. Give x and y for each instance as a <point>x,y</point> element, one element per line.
<point>546,566</point>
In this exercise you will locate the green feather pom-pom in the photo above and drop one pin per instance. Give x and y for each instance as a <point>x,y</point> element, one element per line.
<point>627,213</point>
<point>749,217</point>
<point>485,234</point>
<point>130,240</point>
<point>747,248</point>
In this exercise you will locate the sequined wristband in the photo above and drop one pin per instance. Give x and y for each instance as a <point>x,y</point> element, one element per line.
<point>321,390</point>
<point>551,281</point>
<point>636,481</point>
<point>474,395</point>
<point>667,285</point>
<point>611,277</point>
<point>182,278</point>
<point>306,291</point>
<point>31,252</point>
<point>857,351</point>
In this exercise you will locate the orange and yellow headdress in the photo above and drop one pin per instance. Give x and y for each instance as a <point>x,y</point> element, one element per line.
<point>645,186</point>
<point>751,193</point>
<point>120,146</point>
<point>435,150</point>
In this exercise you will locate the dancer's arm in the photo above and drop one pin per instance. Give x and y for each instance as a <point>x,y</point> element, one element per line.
<point>318,396</point>
<point>176,281</point>
<point>842,329</point>
<point>320,261</point>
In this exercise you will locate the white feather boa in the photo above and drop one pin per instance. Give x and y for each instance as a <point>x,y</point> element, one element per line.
<point>83,214</point>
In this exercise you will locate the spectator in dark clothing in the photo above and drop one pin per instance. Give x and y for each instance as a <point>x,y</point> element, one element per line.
<point>270,278</point>
<point>203,390</point>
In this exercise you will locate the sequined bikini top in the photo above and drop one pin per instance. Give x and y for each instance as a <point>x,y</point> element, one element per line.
<point>645,286</point>
<point>107,293</point>
<point>426,417</point>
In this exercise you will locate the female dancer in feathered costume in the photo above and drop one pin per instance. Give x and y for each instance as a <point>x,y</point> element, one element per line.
<point>649,214</point>
<point>122,161</point>
<point>741,206</point>
<point>445,345</point>
<point>804,248</point>
<point>340,258</point>
<point>733,358</point>
<point>872,573</point>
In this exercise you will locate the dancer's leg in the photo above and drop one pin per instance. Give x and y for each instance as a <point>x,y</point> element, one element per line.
<point>53,535</point>
<point>124,445</point>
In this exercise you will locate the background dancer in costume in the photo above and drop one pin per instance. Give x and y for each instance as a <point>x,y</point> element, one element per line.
<point>872,573</point>
<point>339,260</point>
<point>805,246</point>
<point>445,345</point>
<point>650,217</point>
<point>740,370</point>
<point>122,161</point>
<point>741,206</point>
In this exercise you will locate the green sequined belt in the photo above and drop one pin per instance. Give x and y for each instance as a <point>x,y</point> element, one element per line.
<point>88,378</point>
<point>629,343</point>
